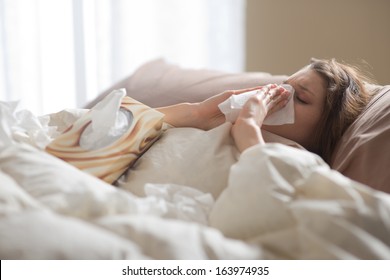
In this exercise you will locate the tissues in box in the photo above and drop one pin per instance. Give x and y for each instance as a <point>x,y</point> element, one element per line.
<point>110,137</point>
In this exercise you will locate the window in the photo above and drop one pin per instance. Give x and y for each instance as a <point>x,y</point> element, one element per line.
<point>61,54</point>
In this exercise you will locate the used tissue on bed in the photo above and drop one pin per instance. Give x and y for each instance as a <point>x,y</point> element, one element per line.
<point>233,105</point>
<point>110,137</point>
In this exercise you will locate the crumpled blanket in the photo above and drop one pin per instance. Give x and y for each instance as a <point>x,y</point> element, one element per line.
<point>279,203</point>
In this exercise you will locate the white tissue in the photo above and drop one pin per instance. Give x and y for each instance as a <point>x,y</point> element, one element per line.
<point>233,105</point>
<point>108,122</point>
<point>23,126</point>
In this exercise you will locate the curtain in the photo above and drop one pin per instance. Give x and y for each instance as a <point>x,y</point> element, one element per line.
<point>57,54</point>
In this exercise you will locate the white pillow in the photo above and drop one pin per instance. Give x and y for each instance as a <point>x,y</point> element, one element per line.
<point>190,157</point>
<point>185,156</point>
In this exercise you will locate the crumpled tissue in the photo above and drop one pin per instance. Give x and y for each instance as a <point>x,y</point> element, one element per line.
<point>232,106</point>
<point>22,126</point>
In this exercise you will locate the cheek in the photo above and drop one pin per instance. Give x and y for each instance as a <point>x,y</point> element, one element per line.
<point>301,131</point>
<point>306,118</point>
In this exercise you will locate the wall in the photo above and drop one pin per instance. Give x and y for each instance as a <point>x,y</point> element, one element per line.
<point>282,36</point>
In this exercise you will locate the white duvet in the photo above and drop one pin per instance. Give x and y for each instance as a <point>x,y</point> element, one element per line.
<point>190,196</point>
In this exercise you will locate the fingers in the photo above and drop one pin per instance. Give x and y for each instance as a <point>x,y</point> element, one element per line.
<point>274,95</point>
<point>267,101</point>
<point>277,100</point>
<point>281,94</point>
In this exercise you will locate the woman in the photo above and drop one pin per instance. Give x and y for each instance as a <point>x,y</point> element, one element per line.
<point>328,97</point>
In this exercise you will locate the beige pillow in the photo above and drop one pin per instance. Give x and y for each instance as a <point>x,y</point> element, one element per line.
<point>363,152</point>
<point>158,83</point>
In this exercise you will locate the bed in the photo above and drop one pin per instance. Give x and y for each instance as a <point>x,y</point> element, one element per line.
<point>191,195</point>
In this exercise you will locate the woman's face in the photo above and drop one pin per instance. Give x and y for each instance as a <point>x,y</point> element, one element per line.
<point>309,100</point>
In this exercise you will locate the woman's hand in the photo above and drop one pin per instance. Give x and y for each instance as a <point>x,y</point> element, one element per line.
<point>208,115</point>
<point>246,130</point>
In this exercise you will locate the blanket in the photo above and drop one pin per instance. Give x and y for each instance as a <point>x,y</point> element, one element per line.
<point>272,201</point>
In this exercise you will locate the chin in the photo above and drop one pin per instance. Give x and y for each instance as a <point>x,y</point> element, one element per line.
<point>281,130</point>
<point>290,132</point>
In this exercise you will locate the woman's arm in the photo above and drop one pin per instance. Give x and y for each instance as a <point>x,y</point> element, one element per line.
<point>246,130</point>
<point>180,115</point>
<point>204,115</point>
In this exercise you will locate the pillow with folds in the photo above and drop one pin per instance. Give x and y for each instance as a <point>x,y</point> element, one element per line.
<point>191,157</point>
<point>158,83</point>
<point>363,152</point>
<point>185,156</point>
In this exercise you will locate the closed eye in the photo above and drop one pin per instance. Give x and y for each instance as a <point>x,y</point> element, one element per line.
<point>300,100</point>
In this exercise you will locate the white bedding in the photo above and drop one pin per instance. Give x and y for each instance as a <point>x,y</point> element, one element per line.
<point>271,202</point>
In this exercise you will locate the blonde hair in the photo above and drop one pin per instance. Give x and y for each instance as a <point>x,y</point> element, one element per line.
<point>345,99</point>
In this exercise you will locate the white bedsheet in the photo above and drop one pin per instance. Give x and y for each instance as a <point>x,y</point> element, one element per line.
<point>278,203</point>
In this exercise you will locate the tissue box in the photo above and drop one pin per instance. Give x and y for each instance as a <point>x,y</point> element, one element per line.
<point>110,156</point>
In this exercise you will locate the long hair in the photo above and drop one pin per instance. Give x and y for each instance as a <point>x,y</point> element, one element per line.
<point>346,97</point>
